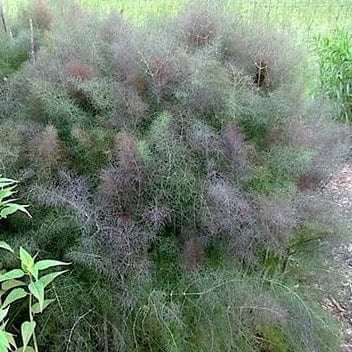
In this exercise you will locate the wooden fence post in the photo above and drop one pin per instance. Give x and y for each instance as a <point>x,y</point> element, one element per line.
<point>3,16</point>
<point>32,39</point>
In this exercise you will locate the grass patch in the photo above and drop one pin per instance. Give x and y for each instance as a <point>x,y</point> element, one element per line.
<point>335,65</point>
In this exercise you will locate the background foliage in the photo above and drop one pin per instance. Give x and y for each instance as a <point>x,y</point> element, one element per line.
<point>335,58</point>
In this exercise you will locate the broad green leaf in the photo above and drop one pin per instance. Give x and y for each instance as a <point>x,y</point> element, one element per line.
<point>4,342</point>
<point>14,296</point>
<point>8,285</point>
<point>27,261</point>
<point>5,179</point>
<point>34,272</point>
<point>45,264</point>
<point>47,279</point>
<point>4,182</point>
<point>3,324</point>
<point>27,349</point>
<point>12,274</point>
<point>12,208</point>
<point>11,339</point>
<point>3,313</point>
<point>4,202</point>
<point>5,246</point>
<point>37,289</point>
<point>27,330</point>
<point>36,306</point>
<point>7,192</point>
<point>8,210</point>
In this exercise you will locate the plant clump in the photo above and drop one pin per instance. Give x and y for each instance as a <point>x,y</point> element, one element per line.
<point>179,166</point>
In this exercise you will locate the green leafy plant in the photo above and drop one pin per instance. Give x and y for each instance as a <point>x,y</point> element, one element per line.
<point>335,65</point>
<point>7,205</point>
<point>24,282</point>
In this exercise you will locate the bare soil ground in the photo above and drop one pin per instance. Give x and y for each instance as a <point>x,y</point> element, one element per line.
<point>340,188</point>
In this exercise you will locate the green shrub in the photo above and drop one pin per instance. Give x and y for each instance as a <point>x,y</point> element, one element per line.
<point>155,156</point>
<point>226,310</point>
<point>13,53</point>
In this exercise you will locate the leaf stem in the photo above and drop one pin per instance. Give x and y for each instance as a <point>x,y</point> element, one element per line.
<point>31,320</point>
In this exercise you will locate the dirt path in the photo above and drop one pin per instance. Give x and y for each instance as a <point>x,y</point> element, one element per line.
<point>340,188</point>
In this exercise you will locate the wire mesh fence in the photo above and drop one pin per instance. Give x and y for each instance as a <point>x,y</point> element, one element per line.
<point>306,17</point>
